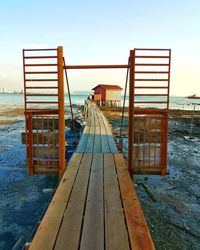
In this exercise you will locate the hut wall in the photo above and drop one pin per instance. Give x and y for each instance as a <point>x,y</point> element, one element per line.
<point>113,95</point>
<point>102,91</point>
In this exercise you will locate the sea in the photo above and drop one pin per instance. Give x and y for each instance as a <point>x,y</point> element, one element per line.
<point>8,100</point>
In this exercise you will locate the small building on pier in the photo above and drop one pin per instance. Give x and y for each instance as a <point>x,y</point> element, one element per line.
<point>107,95</point>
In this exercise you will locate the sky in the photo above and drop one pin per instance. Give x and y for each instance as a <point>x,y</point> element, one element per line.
<point>102,32</point>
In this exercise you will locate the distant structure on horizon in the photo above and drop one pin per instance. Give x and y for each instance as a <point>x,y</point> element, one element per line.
<point>107,95</point>
<point>193,97</point>
<point>11,91</point>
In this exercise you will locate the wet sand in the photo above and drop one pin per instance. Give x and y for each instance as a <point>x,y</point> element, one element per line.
<point>171,204</point>
<point>23,198</point>
<point>172,210</point>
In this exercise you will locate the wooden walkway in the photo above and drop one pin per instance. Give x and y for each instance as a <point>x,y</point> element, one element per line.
<point>95,205</point>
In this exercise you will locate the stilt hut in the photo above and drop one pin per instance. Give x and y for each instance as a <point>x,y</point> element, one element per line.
<point>107,95</point>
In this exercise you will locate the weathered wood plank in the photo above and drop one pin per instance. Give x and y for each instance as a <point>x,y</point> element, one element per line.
<point>104,140</point>
<point>50,152</point>
<point>97,141</point>
<point>70,230</point>
<point>43,170</point>
<point>90,142</point>
<point>46,123</point>
<point>112,145</point>
<point>83,141</point>
<point>139,234</point>
<point>93,226</point>
<point>47,232</point>
<point>115,229</point>
<point>46,162</point>
<point>108,132</point>
<point>42,138</point>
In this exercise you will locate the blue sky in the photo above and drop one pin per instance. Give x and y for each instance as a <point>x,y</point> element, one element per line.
<point>94,32</point>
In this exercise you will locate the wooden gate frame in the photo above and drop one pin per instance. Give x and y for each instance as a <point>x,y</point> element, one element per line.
<point>132,101</point>
<point>30,110</point>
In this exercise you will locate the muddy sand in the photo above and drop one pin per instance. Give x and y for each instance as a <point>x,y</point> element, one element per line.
<point>171,204</point>
<point>23,199</point>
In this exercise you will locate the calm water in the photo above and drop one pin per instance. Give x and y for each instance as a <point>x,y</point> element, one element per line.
<point>7,100</point>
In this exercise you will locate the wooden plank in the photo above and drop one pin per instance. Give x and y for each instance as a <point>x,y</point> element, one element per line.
<point>146,136</point>
<point>90,142</point>
<point>108,144</point>
<point>111,142</point>
<point>92,122</point>
<point>50,152</point>
<point>104,140</point>
<point>45,123</point>
<point>146,151</point>
<point>47,232</point>
<point>139,234</point>
<point>93,226</point>
<point>46,163</point>
<point>116,235</point>
<point>97,139</point>
<point>70,230</point>
<point>83,141</point>
<point>45,170</point>
<point>43,138</point>
<point>139,122</point>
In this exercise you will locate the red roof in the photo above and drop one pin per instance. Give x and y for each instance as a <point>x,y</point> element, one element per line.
<point>105,86</point>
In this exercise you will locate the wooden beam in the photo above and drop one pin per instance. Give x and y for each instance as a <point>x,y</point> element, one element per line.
<point>93,226</point>
<point>139,234</point>
<point>120,66</point>
<point>61,111</point>
<point>46,234</point>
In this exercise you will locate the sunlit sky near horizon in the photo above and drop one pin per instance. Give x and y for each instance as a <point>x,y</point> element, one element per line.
<point>102,32</point>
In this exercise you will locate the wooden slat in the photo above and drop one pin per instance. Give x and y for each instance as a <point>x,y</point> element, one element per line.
<point>83,141</point>
<point>50,152</point>
<point>116,235</point>
<point>46,162</point>
<point>47,232</point>
<point>104,141</point>
<point>97,141</point>
<point>139,234</point>
<point>39,170</point>
<point>90,142</point>
<point>42,138</point>
<point>70,229</point>
<point>46,124</point>
<point>93,226</point>
<point>152,137</point>
<point>112,145</point>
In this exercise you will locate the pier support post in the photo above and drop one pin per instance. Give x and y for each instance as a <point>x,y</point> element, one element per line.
<point>61,111</point>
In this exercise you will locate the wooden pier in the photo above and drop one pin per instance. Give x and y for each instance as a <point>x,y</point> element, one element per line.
<point>95,205</point>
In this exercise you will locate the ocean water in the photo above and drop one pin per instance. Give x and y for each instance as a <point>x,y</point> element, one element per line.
<point>17,100</point>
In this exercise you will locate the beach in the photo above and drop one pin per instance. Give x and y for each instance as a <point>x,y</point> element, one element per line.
<point>171,204</point>
<point>23,198</point>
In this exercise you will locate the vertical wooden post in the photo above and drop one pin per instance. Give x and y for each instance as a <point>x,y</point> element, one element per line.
<point>164,143</point>
<point>61,111</point>
<point>165,127</point>
<point>131,113</point>
<point>30,143</point>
